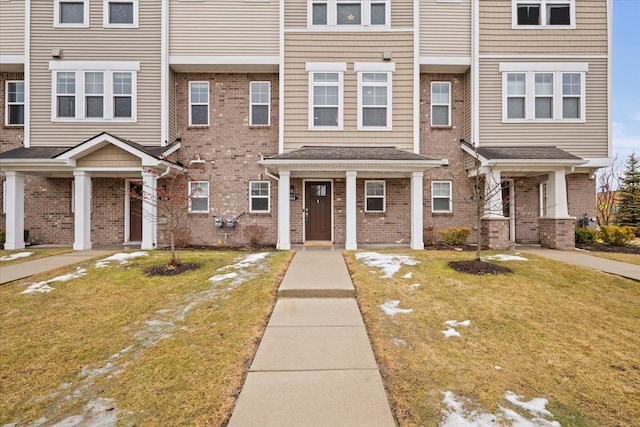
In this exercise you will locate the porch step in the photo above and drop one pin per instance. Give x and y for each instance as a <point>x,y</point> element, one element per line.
<point>318,244</point>
<point>317,274</point>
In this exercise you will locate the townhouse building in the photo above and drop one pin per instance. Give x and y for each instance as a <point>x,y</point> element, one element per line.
<point>349,122</point>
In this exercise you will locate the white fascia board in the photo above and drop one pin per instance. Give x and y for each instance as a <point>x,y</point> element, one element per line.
<point>544,66</point>
<point>172,149</point>
<point>376,67</point>
<point>94,65</point>
<point>597,162</point>
<point>533,164</point>
<point>223,60</point>
<point>77,151</point>
<point>445,60</point>
<point>326,66</point>
<point>12,59</point>
<point>470,150</point>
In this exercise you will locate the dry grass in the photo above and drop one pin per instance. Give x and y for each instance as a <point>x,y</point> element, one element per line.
<point>628,258</point>
<point>37,253</point>
<point>182,343</point>
<point>557,331</point>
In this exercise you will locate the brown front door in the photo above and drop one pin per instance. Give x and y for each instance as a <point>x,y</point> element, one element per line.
<point>318,210</point>
<point>135,211</point>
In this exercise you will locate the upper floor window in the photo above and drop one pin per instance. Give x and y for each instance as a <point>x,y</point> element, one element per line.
<point>198,103</point>
<point>374,196</point>
<point>374,95</point>
<point>14,111</point>
<point>95,91</point>
<point>120,13</point>
<point>441,197</point>
<point>440,104</point>
<point>543,95</point>
<point>325,95</point>
<point>543,13</point>
<point>259,196</point>
<point>348,12</point>
<point>259,112</point>
<point>71,13</point>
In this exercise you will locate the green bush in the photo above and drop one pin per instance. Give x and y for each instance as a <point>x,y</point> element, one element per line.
<point>616,235</point>
<point>586,236</point>
<point>456,236</point>
<point>3,237</point>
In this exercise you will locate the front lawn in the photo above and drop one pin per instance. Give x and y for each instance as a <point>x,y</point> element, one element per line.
<point>114,345</point>
<point>15,257</point>
<point>490,349</point>
<point>628,258</point>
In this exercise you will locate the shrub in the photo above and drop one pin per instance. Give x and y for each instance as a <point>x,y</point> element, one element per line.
<point>430,236</point>
<point>456,236</point>
<point>255,235</point>
<point>616,235</point>
<point>3,237</point>
<point>182,238</point>
<point>586,236</point>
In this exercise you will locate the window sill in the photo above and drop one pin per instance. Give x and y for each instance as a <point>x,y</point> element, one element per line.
<point>442,214</point>
<point>90,120</point>
<point>12,126</point>
<point>260,214</point>
<point>121,26</point>
<point>259,126</point>
<point>443,127</point>
<point>543,121</point>
<point>195,127</point>
<point>543,27</point>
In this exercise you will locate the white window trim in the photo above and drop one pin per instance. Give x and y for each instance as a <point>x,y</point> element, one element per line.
<point>384,196</point>
<point>200,103</point>
<point>530,97</point>
<point>56,14</point>
<point>440,105</point>
<point>105,14</point>
<point>389,85</point>
<point>326,67</point>
<point>268,197</point>
<point>7,104</point>
<point>251,104</point>
<point>332,16</point>
<point>433,197</point>
<point>543,15</point>
<point>199,196</point>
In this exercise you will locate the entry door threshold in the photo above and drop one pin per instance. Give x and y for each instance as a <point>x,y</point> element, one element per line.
<point>318,244</point>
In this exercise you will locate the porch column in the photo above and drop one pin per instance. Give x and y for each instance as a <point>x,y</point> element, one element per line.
<point>557,195</point>
<point>149,210</point>
<point>14,238</point>
<point>417,191</point>
<point>284,211</point>
<point>350,242</point>
<point>82,216</point>
<point>493,194</point>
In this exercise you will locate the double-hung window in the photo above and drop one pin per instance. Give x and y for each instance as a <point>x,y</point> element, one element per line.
<point>198,103</point>
<point>440,104</point>
<point>344,13</point>
<point>120,13</point>
<point>14,109</point>
<point>374,196</point>
<point>259,196</point>
<point>71,13</point>
<point>374,95</point>
<point>93,91</point>
<point>441,197</point>
<point>325,95</point>
<point>545,92</point>
<point>543,13</point>
<point>199,196</point>
<point>259,112</point>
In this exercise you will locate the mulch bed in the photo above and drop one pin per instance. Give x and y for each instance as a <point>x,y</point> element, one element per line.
<point>170,270</point>
<point>478,268</point>
<point>601,247</point>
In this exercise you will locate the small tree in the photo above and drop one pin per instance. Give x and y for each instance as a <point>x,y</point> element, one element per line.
<point>629,199</point>
<point>608,184</point>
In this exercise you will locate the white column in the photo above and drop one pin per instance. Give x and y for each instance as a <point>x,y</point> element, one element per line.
<point>284,209</point>
<point>149,210</point>
<point>493,194</point>
<point>417,194</point>
<point>350,243</point>
<point>14,209</point>
<point>557,195</point>
<point>82,218</point>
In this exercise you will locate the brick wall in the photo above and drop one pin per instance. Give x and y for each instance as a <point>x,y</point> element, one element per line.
<point>527,207</point>
<point>107,210</point>
<point>557,233</point>
<point>581,195</point>
<point>392,226</point>
<point>47,206</point>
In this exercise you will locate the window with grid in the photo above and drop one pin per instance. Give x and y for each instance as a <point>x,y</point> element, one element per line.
<point>516,95</point>
<point>571,95</point>
<point>260,94</point>
<point>441,196</point>
<point>14,110</point>
<point>440,104</point>
<point>122,95</point>
<point>94,94</point>
<point>259,196</point>
<point>544,95</point>
<point>326,100</point>
<point>199,196</point>
<point>375,101</point>
<point>374,196</point>
<point>348,12</point>
<point>66,94</point>
<point>543,13</point>
<point>198,103</point>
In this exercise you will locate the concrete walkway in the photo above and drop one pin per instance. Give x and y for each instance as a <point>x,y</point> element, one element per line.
<point>314,365</point>
<point>583,259</point>
<point>29,268</point>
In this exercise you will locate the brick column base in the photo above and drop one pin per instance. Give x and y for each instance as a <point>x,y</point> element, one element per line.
<point>558,233</point>
<point>495,233</point>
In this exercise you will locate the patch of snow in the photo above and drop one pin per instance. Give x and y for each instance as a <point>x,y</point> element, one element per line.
<point>247,261</point>
<point>240,274</point>
<point>409,275</point>
<point>521,421</point>
<point>390,308</point>
<point>536,406</point>
<point>17,255</point>
<point>221,277</point>
<point>504,257</point>
<point>451,333</point>
<point>122,258</point>
<point>414,286</point>
<point>498,368</point>
<point>389,264</point>
<point>43,287</point>
<point>400,343</point>
<point>100,412</point>
<point>455,323</point>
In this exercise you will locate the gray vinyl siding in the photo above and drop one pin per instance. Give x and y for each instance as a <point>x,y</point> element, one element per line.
<point>224,27</point>
<point>445,28</point>
<point>349,48</point>
<point>587,139</point>
<point>96,44</point>
<point>498,37</point>
<point>12,27</point>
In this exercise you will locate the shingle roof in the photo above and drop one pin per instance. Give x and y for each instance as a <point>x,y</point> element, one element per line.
<point>33,153</point>
<point>350,153</point>
<point>525,153</point>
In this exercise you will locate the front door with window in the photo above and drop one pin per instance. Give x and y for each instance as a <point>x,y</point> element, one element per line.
<point>317,211</point>
<point>135,211</point>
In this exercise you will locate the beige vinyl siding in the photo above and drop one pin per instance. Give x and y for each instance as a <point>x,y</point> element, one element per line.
<point>173,119</point>
<point>96,44</point>
<point>295,13</point>
<point>467,106</point>
<point>498,37</point>
<point>12,27</point>
<point>587,139</point>
<point>224,27</point>
<point>109,156</point>
<point>445,28</point>
<point>349,48</point>
<point>401,13</point>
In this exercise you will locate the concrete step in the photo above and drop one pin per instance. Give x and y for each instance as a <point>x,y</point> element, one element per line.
<point>317,274</point>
